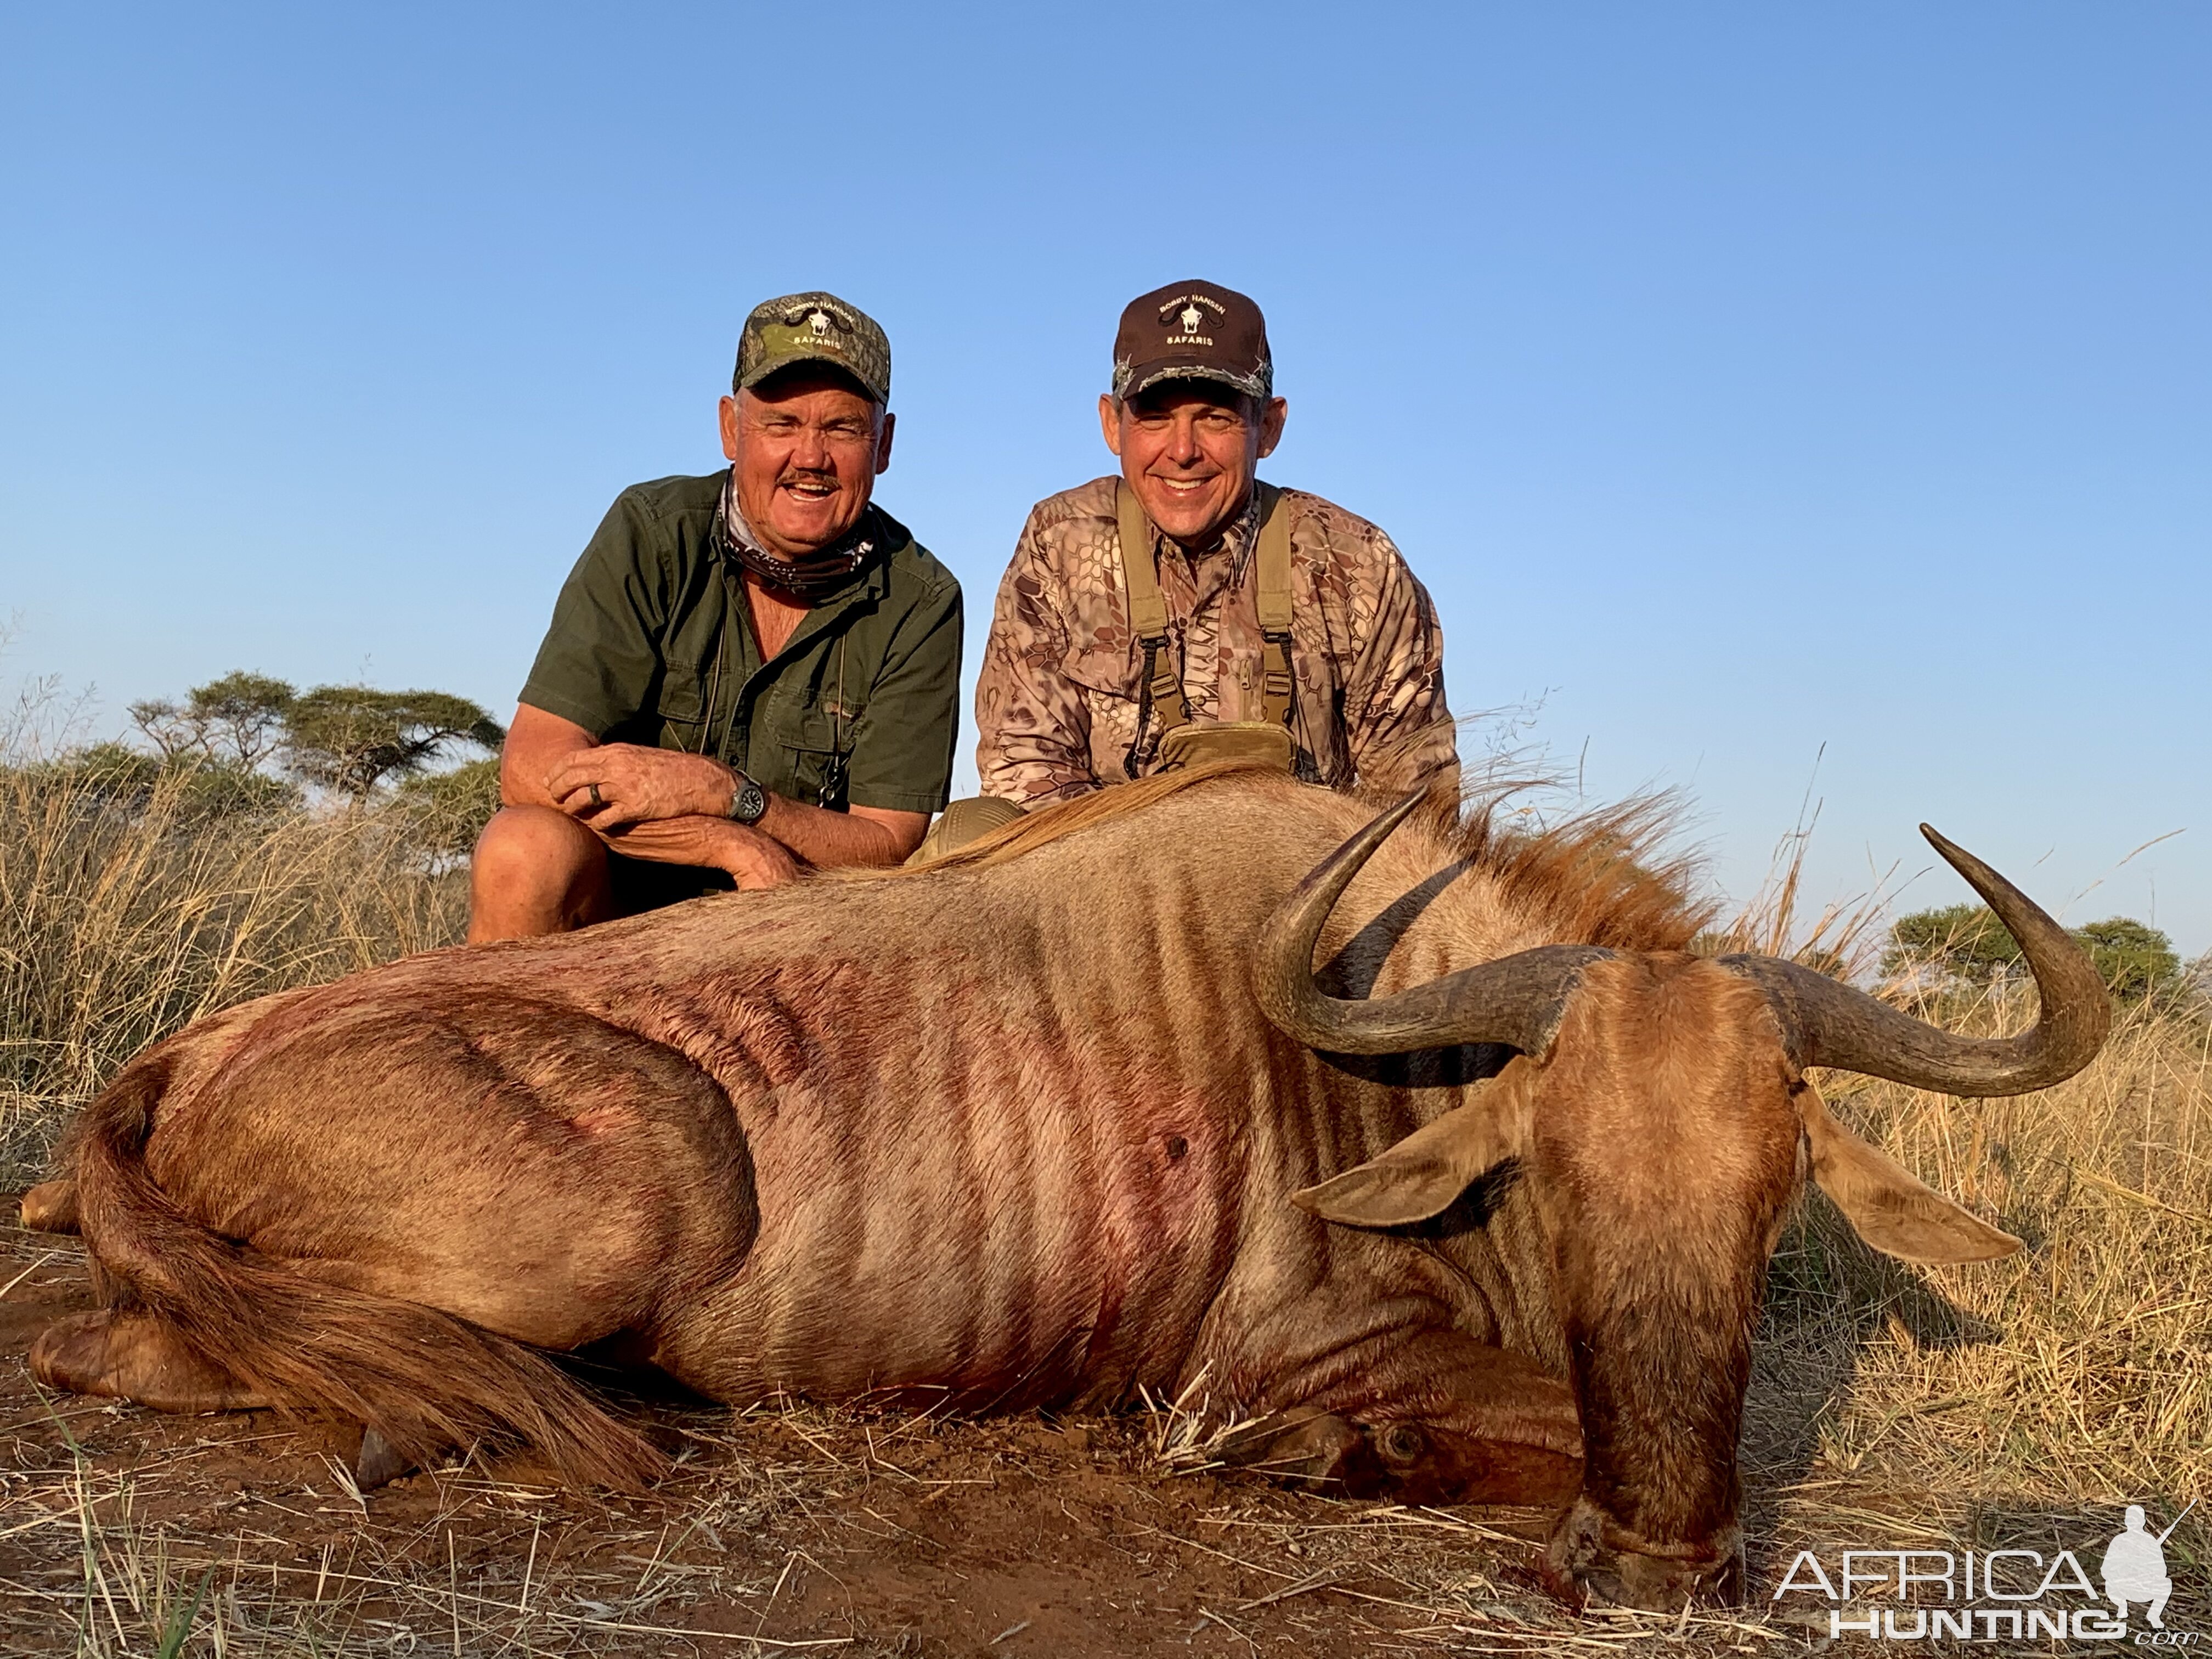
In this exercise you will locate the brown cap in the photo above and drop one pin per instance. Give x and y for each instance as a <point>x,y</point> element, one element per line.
<point>1193,331</point>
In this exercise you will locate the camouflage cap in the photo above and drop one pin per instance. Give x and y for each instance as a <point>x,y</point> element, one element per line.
<point>813,328</point>
<point>1193,331</point>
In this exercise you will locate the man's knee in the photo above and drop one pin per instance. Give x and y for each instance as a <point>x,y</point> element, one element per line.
<point>536,835</point>
<point>535,870</point>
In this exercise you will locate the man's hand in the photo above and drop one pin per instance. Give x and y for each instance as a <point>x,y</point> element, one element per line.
<point>715,843</point>
<point>552,762</point>
<point>612,785</point>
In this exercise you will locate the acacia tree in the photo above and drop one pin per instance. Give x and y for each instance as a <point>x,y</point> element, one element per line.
<point>1963,942</point>
<point>353,737</point>
<point>2136,958</point>
<point>238,721</point>
<point>1966,944</point>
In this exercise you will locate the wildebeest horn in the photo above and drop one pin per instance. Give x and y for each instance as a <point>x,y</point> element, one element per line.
<point>1515,999</point>
<point>1826,1022</point>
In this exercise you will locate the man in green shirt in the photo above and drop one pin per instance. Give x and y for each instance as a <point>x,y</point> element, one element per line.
<point>746,672</point>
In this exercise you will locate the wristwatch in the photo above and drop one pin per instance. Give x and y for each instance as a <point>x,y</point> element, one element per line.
<point>748,800</point>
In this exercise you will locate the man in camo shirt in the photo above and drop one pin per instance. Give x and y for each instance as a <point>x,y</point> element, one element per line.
<point>1063,705</point>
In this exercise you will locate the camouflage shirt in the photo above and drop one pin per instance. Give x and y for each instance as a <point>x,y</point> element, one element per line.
<point>1057,703</point>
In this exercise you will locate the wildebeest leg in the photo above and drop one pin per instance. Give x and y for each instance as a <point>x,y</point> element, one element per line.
<point>1439,1417</point>
<point>50,1206</point>
<point>1304,1446</point>
<point>134,1357</point>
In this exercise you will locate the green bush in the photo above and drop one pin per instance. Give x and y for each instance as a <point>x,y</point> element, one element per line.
<point>1965,945</point>
<point>448,809</point>
<point>2136,958</point>
<point>120,778</point>
<point>352,739</point>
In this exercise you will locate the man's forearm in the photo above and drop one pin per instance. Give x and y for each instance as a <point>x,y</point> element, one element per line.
<point>1404,759</point>
<point>537,744</point>
<point>829,840</point>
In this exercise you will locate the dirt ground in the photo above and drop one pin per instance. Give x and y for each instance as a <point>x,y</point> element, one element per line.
<point>794,1529</point>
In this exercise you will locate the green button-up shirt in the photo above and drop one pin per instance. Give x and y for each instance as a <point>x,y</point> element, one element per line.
<point>652,642</point>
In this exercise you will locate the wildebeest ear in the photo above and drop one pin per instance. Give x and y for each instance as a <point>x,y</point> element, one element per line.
<point>1423,1173</point>
<point>1888,1206</point>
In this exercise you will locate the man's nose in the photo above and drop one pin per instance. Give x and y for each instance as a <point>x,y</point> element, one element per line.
<point>812,451</point>
<point>1183,441</point>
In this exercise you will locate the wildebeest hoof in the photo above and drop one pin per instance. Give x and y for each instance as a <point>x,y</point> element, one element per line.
<point>379,1462</point>
<point>1306,1447</point>
<point>50,1206</point>
<point>1591,1558</point>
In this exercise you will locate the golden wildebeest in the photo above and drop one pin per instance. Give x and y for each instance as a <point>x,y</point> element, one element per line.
<point>1481,1213</point>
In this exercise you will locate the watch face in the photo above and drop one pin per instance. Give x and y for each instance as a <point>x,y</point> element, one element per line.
<point>753,802</point>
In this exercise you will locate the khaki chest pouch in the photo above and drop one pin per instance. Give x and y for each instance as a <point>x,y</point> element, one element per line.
<point>1185,740</point>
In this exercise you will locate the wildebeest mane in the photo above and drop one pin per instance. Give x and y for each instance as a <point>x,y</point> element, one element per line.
<point>1598,877</point>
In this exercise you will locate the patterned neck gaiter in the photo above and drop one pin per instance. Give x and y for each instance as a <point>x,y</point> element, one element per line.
<point>812,579</point>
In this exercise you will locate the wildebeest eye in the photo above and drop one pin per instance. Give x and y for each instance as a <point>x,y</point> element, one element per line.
<point>1401,1442</point>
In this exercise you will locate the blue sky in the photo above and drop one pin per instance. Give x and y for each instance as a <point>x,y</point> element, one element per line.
<point>1753,385</point>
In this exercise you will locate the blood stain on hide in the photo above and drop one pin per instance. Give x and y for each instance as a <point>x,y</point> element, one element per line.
<point>603,1120</point>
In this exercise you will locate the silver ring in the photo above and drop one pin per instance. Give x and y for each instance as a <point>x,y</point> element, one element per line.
<point>598,799</point>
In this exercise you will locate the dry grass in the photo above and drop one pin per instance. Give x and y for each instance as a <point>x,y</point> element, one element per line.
<point>758,1545</point>
<point>2023,1400</point>
<point>487,1563</point>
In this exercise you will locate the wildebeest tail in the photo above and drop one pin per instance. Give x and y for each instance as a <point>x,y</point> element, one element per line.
<point>427,1380</point>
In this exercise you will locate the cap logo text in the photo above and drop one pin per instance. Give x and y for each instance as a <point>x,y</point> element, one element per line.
<point>1185,310</point>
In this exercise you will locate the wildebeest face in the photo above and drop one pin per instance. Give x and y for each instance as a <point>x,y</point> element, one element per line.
<point>1663,1125</point>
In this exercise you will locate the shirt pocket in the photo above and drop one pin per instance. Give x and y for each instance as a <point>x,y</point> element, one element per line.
<point>815,760</point>
<point>1105,675</point>
<point>681,710</point>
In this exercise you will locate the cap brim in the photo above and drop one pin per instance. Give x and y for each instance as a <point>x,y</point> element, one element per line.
<point>1144,376</point>
<point>776,365</point>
